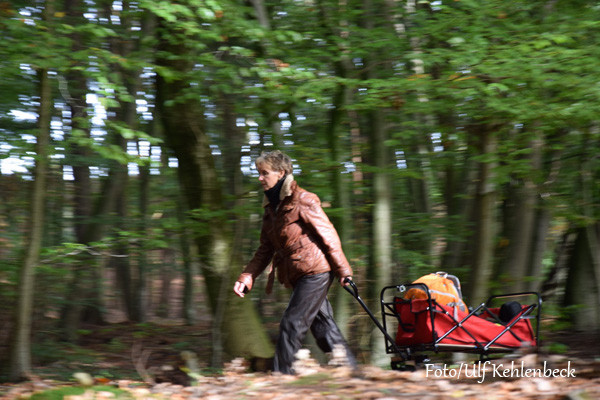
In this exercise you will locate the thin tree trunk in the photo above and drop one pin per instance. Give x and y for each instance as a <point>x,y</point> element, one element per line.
<point>85,277</point>
<point>538,248</point>
<point>361,226</point>
<point>190,268</point>
<point>593,243</point>
<point>142,292</point>
<point>341,201</point>
<point>589,184</point>
<point>20,360</point>
<point>261,13</point>
<point>555,279</point>
<point>166,278</point>
<point>581,289</point>
<point>127,281</point>
<point>380,269</point>
<point>485,216</point>
<point>521,226</point>
<point>459,199</point>
<point>334,134</point>
<point>268,108</point>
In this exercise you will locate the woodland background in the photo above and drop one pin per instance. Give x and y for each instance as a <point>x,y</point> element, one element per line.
<point>449,135</point>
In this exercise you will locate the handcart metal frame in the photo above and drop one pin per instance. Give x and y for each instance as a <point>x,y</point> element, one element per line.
<point>404,356</point>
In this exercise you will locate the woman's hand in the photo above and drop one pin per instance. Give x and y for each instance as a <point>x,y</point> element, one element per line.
<point>344,282</point>
<point>240,288</point>
<point>243,284</point>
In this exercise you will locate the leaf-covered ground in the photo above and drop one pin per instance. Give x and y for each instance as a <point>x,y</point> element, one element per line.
<point>145,362</point>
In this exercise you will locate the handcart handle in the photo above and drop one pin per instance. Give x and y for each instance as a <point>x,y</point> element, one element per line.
<point>353,290</point>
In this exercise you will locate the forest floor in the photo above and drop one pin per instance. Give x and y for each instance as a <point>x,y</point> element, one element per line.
<point>144,361</point>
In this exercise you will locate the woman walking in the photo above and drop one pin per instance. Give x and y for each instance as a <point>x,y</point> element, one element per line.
<point>306,252</point>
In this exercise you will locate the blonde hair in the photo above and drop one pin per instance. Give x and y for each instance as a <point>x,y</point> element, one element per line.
<point>276,160</point>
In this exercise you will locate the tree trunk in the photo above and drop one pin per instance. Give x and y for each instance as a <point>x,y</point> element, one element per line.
<point>538,248</point>
<point>20,359</point>
<point>334,134</point>
<point>485,216</point>
<point>190,267</point>
<point>521,227</point>
<point>581,289</point>
<point>85,276</point>
<point>459,194</point>
<point>261,13</point>
<point>381,269</point>
<point>341,201</point>
<point>126,279</point>
<point>241,331</point>
<point>590,195</point>
<point>554,282</point>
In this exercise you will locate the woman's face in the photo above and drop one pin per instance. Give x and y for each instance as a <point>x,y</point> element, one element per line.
<point>267,177</point>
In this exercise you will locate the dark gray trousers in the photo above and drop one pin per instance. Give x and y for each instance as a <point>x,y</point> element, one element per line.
<point>308,308</point>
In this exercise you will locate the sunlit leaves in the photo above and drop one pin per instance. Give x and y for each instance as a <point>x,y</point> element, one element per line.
<point>131,134</point>
<point>173,12</point>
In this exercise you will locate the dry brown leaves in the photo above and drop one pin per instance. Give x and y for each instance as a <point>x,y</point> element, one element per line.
<point>501,380</point>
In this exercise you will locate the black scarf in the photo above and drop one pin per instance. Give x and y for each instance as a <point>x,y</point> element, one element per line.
<point>273,193</point>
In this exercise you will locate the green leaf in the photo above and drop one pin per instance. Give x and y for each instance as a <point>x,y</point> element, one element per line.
<point>455,41</point>
<point>542,44</point>
<point>206,13</point>
<point>494,88</point>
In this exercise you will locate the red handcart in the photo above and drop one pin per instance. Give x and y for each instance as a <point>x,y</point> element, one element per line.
<point>412,328</point>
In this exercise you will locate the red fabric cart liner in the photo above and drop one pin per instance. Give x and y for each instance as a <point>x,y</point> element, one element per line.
<point>416,327</point>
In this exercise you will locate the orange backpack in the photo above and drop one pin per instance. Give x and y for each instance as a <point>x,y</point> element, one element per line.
<point>443,288</point>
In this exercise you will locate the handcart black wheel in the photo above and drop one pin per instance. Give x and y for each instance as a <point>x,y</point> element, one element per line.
<point>409,362</point>
<point>400,365</point>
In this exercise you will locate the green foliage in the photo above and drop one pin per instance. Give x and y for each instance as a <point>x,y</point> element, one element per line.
<point>558,348</point>
<point>560,318</point>
<point>116,346</point>
<point>49,351</point>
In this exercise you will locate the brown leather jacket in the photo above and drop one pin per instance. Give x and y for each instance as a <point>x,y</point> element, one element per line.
<point>298,237</point>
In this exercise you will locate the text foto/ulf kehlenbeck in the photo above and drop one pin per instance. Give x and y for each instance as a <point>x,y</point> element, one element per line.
<point>481,369</point>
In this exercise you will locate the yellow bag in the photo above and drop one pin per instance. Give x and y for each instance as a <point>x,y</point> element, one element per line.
<point>443,288</point>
